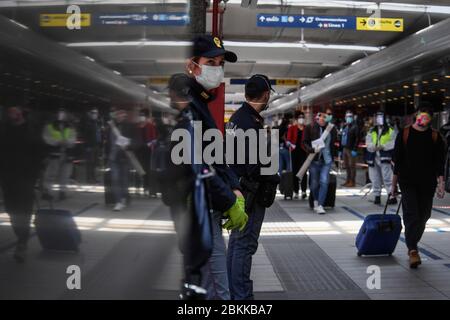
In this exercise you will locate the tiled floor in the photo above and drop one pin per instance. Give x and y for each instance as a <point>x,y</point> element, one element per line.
<point>133,255</point>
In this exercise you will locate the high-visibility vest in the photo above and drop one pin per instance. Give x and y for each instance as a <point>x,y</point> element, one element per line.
<point>385,156</point>
<point>57,135</point>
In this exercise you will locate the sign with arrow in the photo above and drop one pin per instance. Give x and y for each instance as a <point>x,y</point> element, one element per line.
<point>148,19</point>
<point>330,22</point>
<point>305,21</point>
<point>379,24</point>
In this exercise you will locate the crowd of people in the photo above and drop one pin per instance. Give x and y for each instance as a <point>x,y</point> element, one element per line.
<point>200,194</point>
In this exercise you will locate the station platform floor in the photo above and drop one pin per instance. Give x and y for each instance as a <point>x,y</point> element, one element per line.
<point>133,254</point>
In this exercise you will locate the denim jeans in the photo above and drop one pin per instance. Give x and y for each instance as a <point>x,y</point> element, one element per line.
<point>241,247</point>
<point>285,161</point>
<point>119,179</point>
<point>214,272</point>
<point>318,179</point>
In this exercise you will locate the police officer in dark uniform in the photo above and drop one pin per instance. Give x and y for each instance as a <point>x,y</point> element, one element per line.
<point>205,72</point>
<point>243,244</point>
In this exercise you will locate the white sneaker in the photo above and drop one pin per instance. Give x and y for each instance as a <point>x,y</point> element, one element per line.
<point>316,204</point>
<point>119,206</point>
<point>319,210</point>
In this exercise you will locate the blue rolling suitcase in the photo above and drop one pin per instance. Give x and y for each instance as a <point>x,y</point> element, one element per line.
<point>379,233</point>
<point>57,230</point>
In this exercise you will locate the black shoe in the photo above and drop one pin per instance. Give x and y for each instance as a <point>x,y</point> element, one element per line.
<point>192,292</point>
<point>392,201</point>
<point>19,253</point>
<point>47,196</point>
<point>377,200</point>
<point>304,196</point>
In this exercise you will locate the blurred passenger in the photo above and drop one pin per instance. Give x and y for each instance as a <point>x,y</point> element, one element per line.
<point>22,153</point>
<point>319,170</point>
<point>60,135</point>
<point>419,157</point>
<point>147,133</point>
<point>176,183</point>
<point>298,154</point>
<point>349,141</point>
<point>91,132</point>
<point>117,158</point>
<point>380,141</point>
<point>445,131</point>
<point>285,161</point>
<point>257,189</point>
<point>205,68</point>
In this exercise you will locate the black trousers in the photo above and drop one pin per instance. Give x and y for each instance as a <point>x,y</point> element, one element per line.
<point>417,202</point>
<point>298,158</point>
<point>18,194</point>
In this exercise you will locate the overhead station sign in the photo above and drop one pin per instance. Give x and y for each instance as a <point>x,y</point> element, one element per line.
<point>379,24</point>
<point>129,19</point>
<point>315,22</point>
<point>273,82</point>
<point>60,19</point>
<point>330,22</point>
<point>143,19</point>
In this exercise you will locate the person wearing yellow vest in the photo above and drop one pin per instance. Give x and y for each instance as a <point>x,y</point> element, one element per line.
<point>60,136</point>
<point>380,141</point>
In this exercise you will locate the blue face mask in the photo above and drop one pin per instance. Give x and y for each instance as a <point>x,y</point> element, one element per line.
<point>349,120</point>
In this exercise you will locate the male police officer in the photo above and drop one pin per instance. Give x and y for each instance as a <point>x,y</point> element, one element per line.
<point>243,244</point>
<point>380,141</point>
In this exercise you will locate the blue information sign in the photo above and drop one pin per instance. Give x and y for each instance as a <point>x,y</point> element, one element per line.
<point>146,19</point>
<point>306,21</point>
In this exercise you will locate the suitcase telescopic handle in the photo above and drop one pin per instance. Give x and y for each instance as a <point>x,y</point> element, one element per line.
<point>385,207</point>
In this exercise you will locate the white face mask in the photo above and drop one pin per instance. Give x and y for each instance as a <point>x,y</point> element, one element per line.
<point>380,120</point>
<point>94,115</point>
<point>301,120</point>
<point>142,119</point>
<point>61,116</point>
<point>211,77</point>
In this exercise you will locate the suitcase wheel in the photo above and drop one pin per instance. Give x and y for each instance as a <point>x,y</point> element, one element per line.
<point>359,254</point>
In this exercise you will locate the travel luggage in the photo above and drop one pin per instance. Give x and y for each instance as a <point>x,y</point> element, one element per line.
<point>287,182</point>
<point>57,230</point>
<point>379,233</point>
<point>330,200</point>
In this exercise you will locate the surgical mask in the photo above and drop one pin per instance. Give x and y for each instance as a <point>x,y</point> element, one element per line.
<point>211,76</point>
<point>349,120</point>
<point>328,118</point>
<point>380,120</point>
<point>61,116</point>
<point>142,119</point>
<point>301,120</point>
<point>423,119</point>
<point>94,115</point>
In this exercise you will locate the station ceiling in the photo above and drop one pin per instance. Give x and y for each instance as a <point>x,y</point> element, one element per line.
<point>144,54</point>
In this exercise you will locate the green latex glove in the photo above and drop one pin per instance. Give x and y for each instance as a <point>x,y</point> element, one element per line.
<point>237,216</point>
